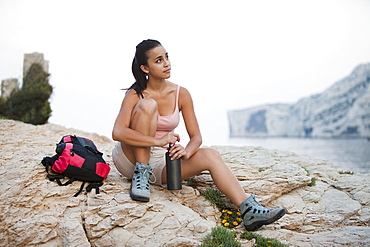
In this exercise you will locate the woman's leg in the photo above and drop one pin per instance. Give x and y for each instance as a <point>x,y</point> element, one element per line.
<point>253,214</point>
<point>211,160</point>
<point>144,120</point>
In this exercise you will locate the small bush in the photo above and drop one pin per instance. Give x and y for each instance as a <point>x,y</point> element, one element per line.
<point>191,182</point>
<point>214,196</point>
<point>260,240</point>
<point>231,218</point>
<point>313,182</point>
<point>30,104</point>
<point>220,236</point>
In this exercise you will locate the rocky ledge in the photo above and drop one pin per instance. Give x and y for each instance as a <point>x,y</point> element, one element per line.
<point>37,212</point>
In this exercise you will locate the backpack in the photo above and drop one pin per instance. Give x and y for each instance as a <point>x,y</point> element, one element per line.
<point>79,159</point>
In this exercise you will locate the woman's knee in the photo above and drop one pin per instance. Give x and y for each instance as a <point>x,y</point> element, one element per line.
<point>205,159</point>
<point>210,156</point>
<point>211,153</point>
<point>146,106</point>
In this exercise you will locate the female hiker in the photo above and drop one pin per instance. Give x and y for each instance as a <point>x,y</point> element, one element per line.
<point>144,130</point>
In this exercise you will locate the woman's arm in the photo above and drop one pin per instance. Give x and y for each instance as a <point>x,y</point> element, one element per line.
<point>191,122</point>
<point>122,131</point>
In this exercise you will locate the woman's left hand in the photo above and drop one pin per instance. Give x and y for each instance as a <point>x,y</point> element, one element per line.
<point>177,151</point>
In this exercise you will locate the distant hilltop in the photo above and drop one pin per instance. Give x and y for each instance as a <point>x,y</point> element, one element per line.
<point>343,110</point>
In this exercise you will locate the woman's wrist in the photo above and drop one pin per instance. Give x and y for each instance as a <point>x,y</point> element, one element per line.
<point>156,142</point>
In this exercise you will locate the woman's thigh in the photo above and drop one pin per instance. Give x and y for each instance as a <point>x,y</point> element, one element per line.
<point>202,160</point>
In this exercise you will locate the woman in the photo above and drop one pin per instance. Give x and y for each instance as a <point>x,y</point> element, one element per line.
<point>144,130</point>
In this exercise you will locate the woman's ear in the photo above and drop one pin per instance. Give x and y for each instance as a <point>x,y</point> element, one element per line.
<point>144,69</point>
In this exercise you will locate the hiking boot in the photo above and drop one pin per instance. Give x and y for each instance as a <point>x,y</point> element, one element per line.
<point>254,215</point>
<point>139,190</point>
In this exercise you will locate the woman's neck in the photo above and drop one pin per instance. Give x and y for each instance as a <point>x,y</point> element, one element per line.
<point>156,85</point>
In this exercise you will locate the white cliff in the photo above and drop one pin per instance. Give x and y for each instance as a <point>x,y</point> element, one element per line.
<point>343,110</point>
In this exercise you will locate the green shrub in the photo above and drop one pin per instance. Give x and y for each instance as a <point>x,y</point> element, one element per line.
<point>231,218</point>
<point>191,182</point>
<point>313,182</point>
<point>220,236</point>
<point>31,104</point>
<point>260,240</point>
<point>214,196</point>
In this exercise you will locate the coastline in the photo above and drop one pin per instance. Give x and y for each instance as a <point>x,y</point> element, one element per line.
<point>336,211</point>
<point>350,154</point>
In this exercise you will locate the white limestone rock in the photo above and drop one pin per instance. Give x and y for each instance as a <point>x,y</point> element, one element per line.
<point>37,212</point>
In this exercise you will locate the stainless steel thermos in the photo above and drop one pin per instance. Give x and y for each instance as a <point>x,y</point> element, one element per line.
<point>173,172</point>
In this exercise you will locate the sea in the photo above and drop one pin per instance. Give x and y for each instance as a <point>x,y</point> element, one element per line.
<point>347,154</point>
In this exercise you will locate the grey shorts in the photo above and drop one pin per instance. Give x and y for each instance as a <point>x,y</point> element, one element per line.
<point>157,161</point>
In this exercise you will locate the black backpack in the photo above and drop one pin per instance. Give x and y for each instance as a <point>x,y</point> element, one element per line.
<point>79,159</point>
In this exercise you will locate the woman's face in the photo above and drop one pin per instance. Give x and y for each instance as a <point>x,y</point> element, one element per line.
<point>159,66</point>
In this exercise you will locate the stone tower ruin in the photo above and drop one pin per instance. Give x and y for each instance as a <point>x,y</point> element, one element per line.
<point>30,58</point>
<point>8,85</point>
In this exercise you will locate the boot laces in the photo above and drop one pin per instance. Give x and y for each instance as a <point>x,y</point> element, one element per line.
<point>143,177</point>
<point>259,207</point>
<point>255,207</point>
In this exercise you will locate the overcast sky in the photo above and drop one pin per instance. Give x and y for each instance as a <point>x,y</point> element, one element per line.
<point>229,54</point>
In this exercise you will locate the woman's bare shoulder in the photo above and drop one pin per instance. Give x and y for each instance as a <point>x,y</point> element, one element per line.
<point>131,92</point>
<point>131,96</point>
<point>185,98</point>
<point>184,92</point>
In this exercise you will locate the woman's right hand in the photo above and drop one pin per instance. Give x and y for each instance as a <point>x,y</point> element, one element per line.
<point>169,138</point>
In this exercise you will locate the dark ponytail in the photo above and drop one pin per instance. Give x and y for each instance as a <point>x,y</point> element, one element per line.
<point>141,58</point>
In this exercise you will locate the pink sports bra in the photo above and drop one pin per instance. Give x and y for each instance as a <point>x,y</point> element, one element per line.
<point>169,123</point>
